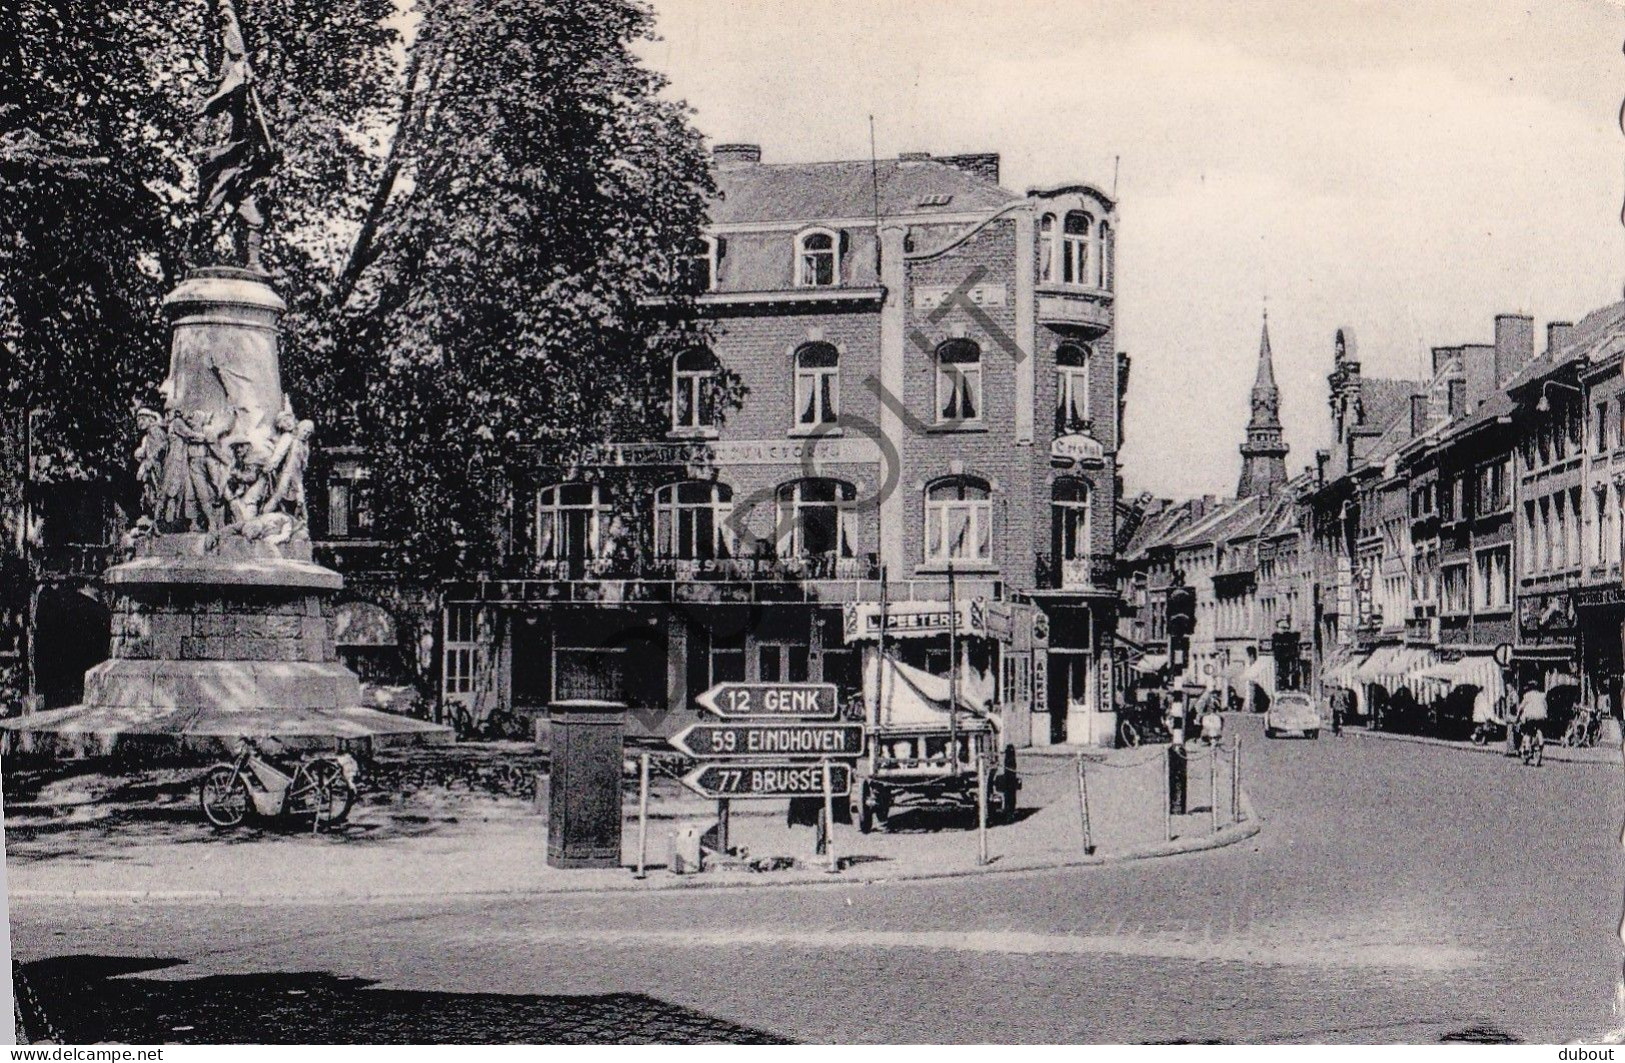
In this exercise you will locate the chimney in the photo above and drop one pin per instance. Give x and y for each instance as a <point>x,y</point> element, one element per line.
<point>1442,356</point>
<point>1478,365</point>
<point>1457,398</point>
<point>1558,334</point>
<point>980,164</point>
<point>727,156</point>
<point>1514,344</point>
<point>1419,415</point>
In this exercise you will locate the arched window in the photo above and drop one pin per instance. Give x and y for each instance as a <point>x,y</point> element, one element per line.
<point>1069,523</point>
<point>817,259</point>
<point>572,523</point>
<point>959,382</point>
<point>1104,253</point>
<point>818,384</point>
<point>958,520</point>
<point>814,518</point>
<point>1071,388</point>
<point>691,521</point>
<point>693,390</point>
<point>1046,248</point>
<point>1079,229</point>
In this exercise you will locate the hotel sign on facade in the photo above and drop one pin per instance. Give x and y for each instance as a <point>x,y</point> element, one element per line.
<point>832,450</point>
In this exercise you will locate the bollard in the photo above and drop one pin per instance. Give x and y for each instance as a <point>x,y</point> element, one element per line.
<point>643,814</point>
<point>981,808</point>
<point>829,821</point>
<point>1083,809</point>
<point>1235,781</point>
<point>1168,798</point>
<point>1213,786</point>
<point>1178,778</point>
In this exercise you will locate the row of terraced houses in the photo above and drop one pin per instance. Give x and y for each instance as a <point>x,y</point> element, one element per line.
<point>1458,541</point>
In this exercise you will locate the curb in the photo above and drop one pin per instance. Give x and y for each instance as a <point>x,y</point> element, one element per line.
<point>1553,752</point>
<point>1228,835</point>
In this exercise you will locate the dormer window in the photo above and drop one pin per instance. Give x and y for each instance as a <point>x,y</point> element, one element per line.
<point>697,269</point>
<point>817,259</point>
<point>1077,234</point>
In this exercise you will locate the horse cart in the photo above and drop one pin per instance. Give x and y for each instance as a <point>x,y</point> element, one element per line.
<point>920,752</point>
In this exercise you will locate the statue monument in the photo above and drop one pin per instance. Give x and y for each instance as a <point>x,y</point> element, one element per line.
<point>222,622</point>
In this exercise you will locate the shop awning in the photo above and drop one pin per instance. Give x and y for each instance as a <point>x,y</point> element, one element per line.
<point>1340,669</point>
<point>1151,663</point>
<point>1376,666</point>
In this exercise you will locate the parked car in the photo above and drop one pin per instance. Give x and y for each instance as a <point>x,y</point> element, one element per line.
<point>1292,713</point>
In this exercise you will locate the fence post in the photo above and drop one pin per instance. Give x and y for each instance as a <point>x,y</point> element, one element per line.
<point>1083,809</point>
<point>981,808</point>
<point>829,821</point>
<point>1213,785</point>
<point>1235,781</point>
<point>643,813</point>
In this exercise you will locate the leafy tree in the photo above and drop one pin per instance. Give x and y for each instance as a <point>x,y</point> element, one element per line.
<point>473,197</point>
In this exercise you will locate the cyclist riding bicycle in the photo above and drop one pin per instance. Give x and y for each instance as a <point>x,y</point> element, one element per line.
<point>1531,716</point>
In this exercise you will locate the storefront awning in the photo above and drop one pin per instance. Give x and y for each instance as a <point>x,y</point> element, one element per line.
<point>1340,669</point>
<point>1151,663</point>
<point>1376,666</point>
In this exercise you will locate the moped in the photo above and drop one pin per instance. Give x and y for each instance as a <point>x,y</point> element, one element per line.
<point>321,786</point>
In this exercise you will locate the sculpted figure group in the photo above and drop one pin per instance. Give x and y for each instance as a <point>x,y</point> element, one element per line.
<point>195,475</point>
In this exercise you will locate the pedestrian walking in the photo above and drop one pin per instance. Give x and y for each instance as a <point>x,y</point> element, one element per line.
<point>1339,701</point>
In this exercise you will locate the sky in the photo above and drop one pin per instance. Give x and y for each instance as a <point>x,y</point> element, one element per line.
<point>1405,170</point>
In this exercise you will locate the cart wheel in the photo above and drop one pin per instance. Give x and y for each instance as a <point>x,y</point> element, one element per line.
<point>866,811</point>
<point>225,801</point>
<point>1128,734</point>
<point>1009,785</point>
<point>882,806</point>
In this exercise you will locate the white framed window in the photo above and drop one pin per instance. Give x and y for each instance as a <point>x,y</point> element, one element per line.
<point>1046,248</point>
<point>1069,511</point>
<point>693,390</point>
<point>1456,589</point>
<point>572,522</point>
<point>459,646</point>
<point>959,382</point>
<point>958,520</point>
<point>814,518</point>
<point>349,502</point>
<point>1599,516</point>
<point>1492,587</point>
<point>1071,387</point>
<point>1076,236</point>
<point>818,259</point>
<point>691,521</point>
<point>818,384</point>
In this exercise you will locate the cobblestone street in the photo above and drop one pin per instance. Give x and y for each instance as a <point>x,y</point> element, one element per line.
<point>1390,897</point>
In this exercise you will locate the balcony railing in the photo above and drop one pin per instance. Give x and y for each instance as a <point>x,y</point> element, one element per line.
<point>1092,572</point>
<point>721,569</point>
<point>79,560</point>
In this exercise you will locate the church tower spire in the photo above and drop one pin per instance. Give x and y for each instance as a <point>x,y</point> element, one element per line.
<point>1263,455</point>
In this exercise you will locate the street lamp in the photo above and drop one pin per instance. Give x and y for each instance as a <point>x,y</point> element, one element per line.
<point>1544,404</point>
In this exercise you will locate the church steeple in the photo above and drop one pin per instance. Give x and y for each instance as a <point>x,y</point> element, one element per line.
<point>1263,455</point>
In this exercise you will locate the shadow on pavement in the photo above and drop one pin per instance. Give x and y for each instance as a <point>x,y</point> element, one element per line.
<point>89,999</point>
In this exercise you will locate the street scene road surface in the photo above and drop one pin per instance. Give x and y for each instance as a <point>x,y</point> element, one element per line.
<point>1384,901</point>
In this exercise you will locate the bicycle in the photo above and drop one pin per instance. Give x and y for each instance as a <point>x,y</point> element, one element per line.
<point>1531,743</point>
<point>321,786</point>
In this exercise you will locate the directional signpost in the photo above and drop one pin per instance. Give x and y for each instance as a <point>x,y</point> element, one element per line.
<point>739,701</point>
<point>776,740</point>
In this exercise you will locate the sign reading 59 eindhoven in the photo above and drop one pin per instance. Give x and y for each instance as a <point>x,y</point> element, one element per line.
<point>776,740</point>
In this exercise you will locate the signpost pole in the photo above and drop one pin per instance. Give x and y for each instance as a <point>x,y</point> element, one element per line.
<point>829,820</point>
<point>981,808</point>
<point>643,814</point>
<point>1168,800</point>
<point>1083,809</point>
<point>724,808</point>
<point>1235,781</point>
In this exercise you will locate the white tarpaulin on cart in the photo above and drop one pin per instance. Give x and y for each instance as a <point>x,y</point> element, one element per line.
<point>900,695</point>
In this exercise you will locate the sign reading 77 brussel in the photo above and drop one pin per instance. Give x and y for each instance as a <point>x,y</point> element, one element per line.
<point>802,701</point>
<point>797,779</point>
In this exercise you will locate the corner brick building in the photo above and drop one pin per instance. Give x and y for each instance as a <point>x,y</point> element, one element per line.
<point>932,389</point>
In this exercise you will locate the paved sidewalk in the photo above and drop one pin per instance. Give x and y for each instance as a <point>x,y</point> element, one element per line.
<point>485,845</point>
<point>1599,754</point>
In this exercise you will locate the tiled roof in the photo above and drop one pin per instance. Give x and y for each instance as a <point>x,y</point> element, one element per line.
<point>1156,530</point>
<point>1599,334</point>
<point>804,191</point>
<point>1384,400</point>
<point>1232,518</point>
